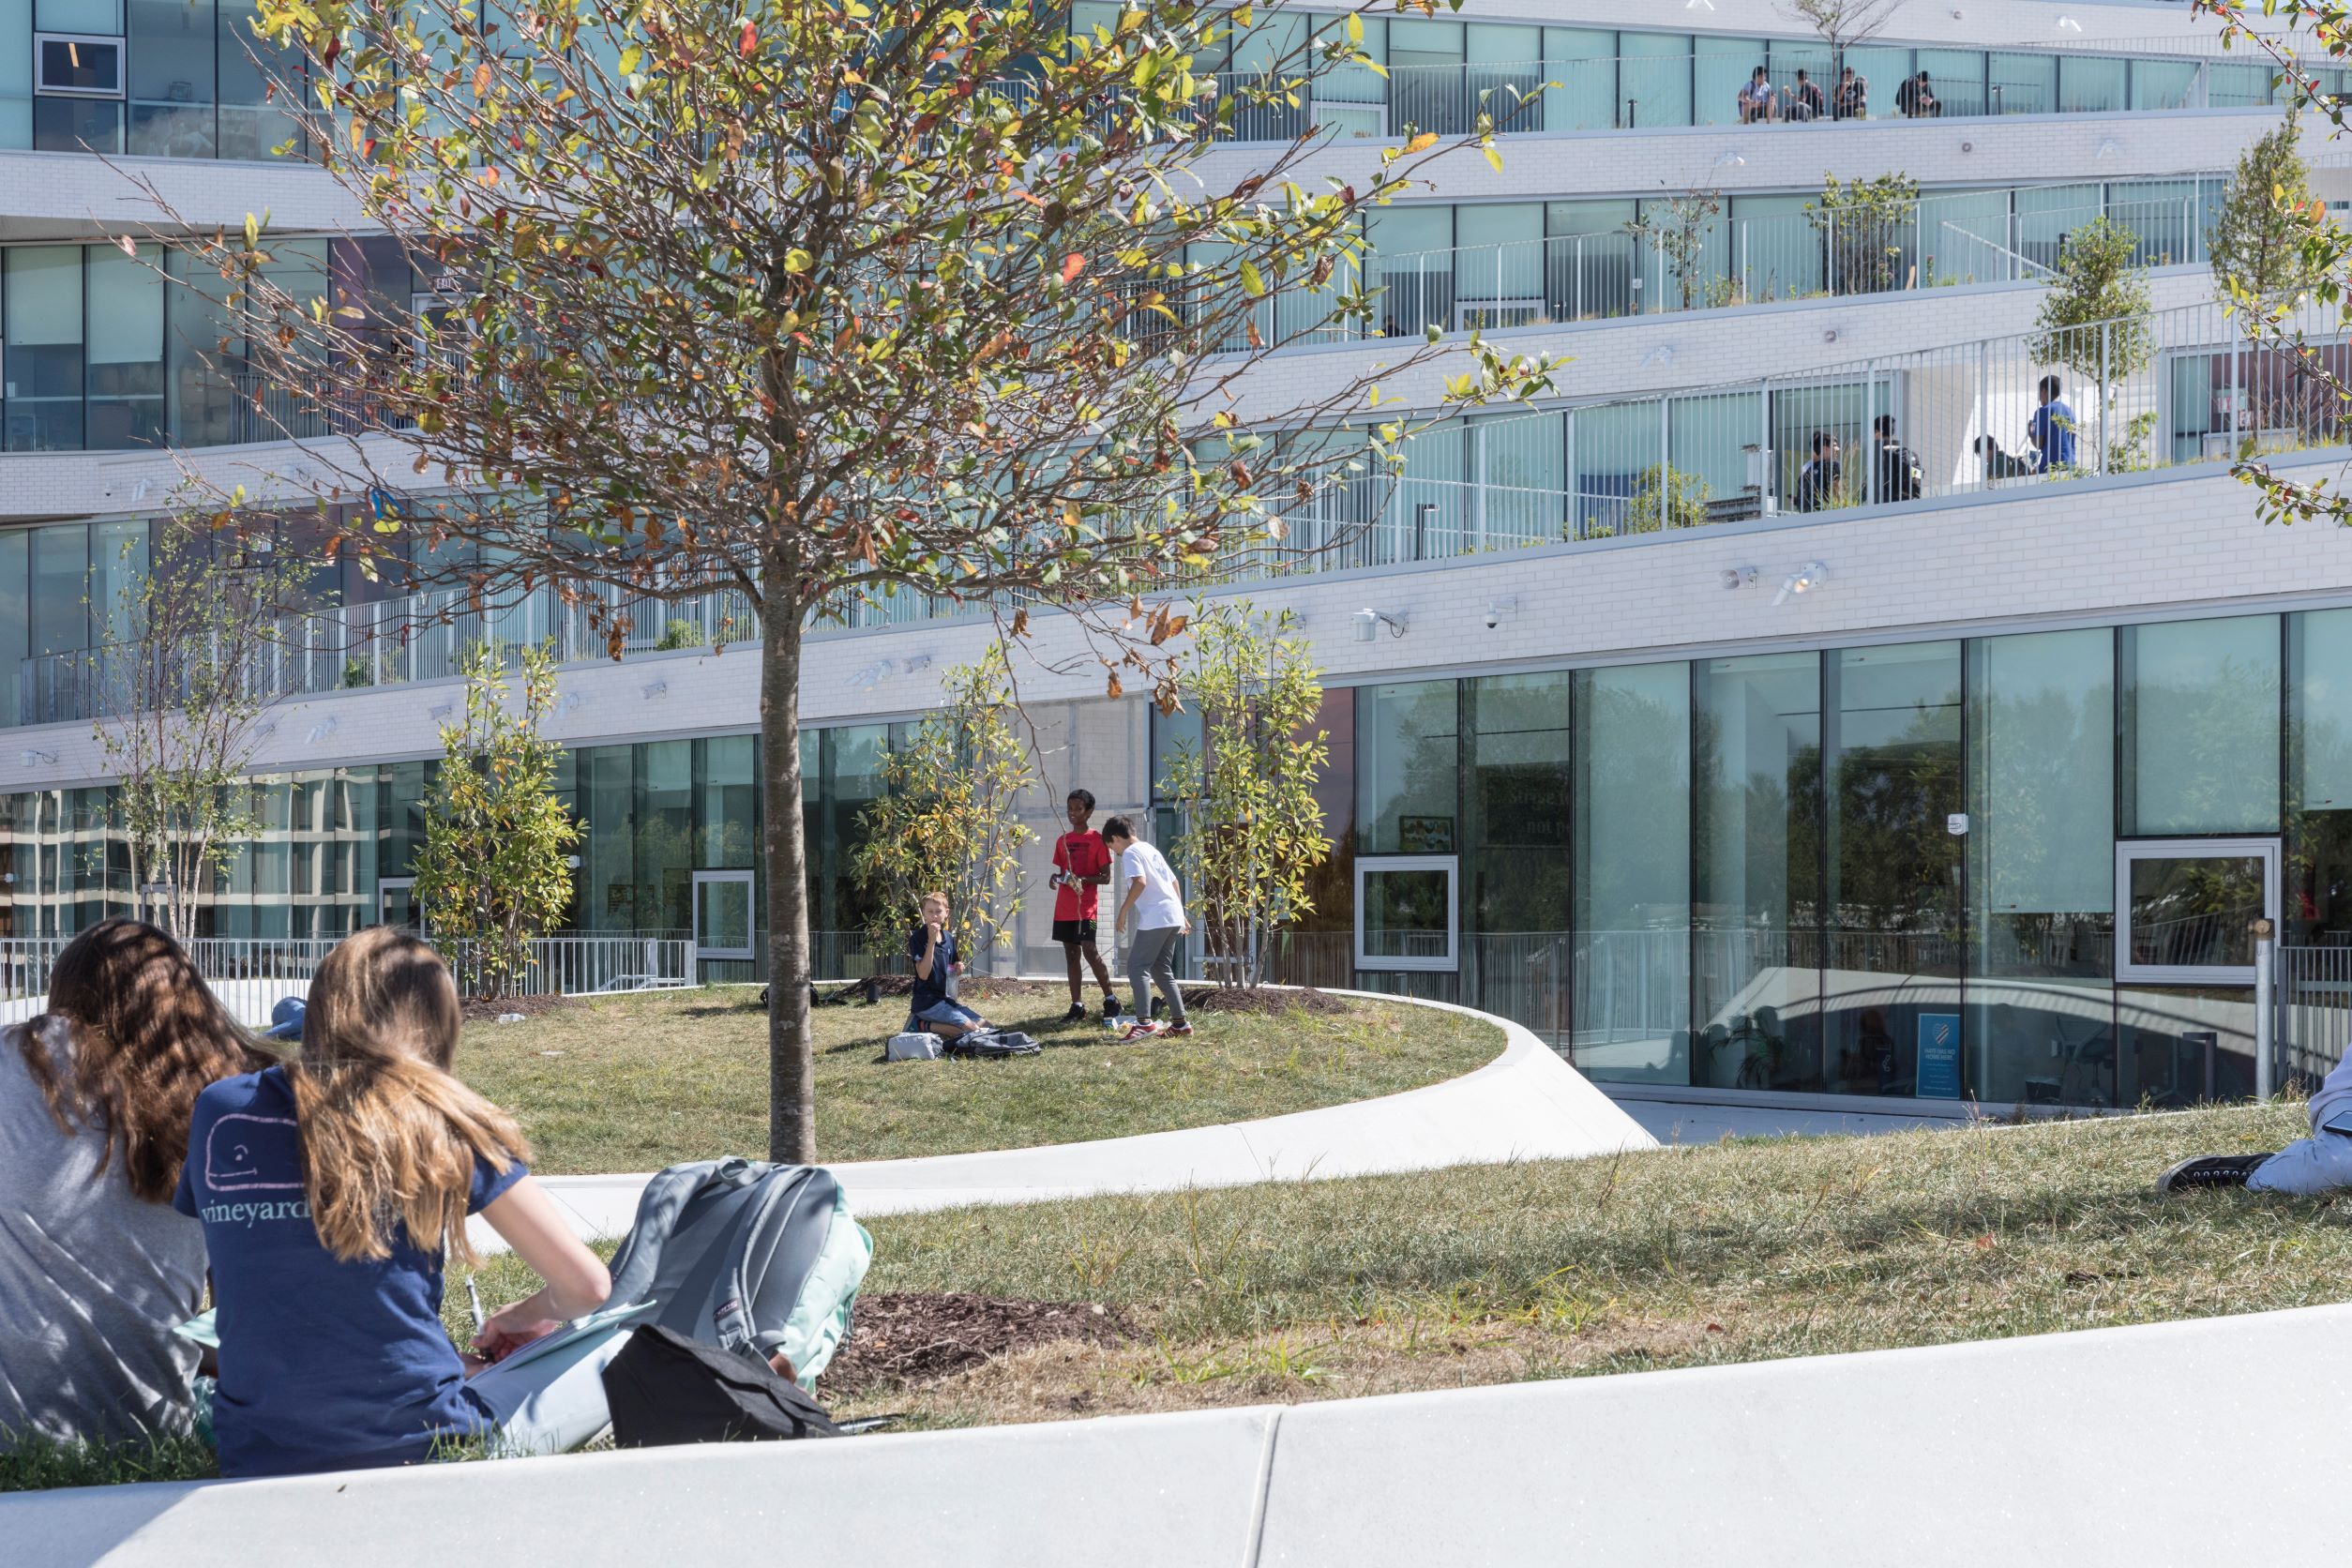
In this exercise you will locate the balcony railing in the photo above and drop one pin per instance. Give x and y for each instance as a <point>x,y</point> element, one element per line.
<point>2176,388</point>
<point>1835,252</point>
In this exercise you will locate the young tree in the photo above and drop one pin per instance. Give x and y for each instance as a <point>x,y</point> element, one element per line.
<point>1842,24</point>
<point>2094,320</point>
<point>2257,246</point>
<point>494,872</point>
<point>944,820</point>
<point>1252,830</point>
<point>178,699</point>
<point>1861,223</point>
<point>1679,238</point>
<point>812,301</point>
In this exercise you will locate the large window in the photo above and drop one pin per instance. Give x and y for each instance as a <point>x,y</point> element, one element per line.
<point>1630,807</point>
<point>1515,910</point>
<point>2319,777</point>
<point>2199,721</point>
<point>1757,871</point>
<point>2042,871</point>
<point>1890,985</point>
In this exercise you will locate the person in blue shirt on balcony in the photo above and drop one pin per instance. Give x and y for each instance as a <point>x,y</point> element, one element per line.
<point>2052,429</point>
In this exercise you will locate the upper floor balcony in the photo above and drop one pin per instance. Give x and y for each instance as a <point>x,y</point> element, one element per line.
<point>103,350</point>
<point>186,79</point>
<point>2099,406</point>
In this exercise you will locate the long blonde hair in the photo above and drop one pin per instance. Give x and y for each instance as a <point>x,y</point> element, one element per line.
<point>388,1137</point>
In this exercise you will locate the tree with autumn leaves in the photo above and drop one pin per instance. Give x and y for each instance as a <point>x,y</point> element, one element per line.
<point>824,300</point>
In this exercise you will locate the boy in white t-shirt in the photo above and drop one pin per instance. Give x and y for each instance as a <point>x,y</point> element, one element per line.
<point>1160,924</point>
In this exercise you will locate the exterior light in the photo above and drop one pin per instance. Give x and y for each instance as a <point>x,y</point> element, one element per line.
<point>1369,622</point>
<point>1805,579</point>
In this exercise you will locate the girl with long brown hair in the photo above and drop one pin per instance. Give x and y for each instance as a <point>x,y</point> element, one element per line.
<point>330,1190</point>
<point>96,1268</point>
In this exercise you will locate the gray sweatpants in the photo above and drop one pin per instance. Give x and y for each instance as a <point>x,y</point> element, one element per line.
<point>1152,957</point>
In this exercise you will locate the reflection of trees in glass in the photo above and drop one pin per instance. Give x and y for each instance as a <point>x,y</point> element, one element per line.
<point>1415,730</point>
<point>1634,754</point>
<point>1895,868</point>
<point>2031,843</point>
<point>2209,754</point>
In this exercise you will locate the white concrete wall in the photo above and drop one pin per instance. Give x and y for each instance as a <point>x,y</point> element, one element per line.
<point>2177,1443</point>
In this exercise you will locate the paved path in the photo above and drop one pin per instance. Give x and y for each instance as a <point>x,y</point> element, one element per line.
<point>1526,1104</point>
<point>1689,1123</point>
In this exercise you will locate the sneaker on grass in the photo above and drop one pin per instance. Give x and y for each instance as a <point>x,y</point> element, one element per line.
<point>2202,1171</point>
<point>1177,1030</point>
<point>1110,1005</point>
<point>1142,1031</point>
<point>1077,1012</point>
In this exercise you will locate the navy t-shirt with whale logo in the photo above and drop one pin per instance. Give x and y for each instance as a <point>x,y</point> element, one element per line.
<point>324,1364</point>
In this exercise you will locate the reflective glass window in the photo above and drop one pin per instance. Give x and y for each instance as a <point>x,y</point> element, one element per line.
<point>1630,807</point>
<point>2198,710</point>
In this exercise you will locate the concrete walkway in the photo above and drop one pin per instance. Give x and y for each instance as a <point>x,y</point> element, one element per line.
<point>1526,1104</point>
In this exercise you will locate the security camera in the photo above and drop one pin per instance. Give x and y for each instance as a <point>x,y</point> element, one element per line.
<point>1494,617</point>
<point>1498,608</point>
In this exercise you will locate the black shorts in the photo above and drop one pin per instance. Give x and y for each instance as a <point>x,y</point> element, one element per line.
<point>1080,931</point>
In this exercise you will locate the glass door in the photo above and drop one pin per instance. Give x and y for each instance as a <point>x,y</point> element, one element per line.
<point>722,914</point>
<point>396,903</point>
<point>2187,908</point>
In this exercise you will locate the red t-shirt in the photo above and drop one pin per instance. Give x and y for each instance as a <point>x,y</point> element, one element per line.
<point>1081,854</point>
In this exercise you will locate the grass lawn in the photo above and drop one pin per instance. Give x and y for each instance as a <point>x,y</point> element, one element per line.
<point>1742,1251</point>
<point>1678,1257</point>
<point>638,1082</point>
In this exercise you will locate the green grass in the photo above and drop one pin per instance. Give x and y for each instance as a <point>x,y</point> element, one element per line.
<point>1742,1251</point>
<point>36,1464</point>
<point>1691,1256</point>
<point>642,1081</point>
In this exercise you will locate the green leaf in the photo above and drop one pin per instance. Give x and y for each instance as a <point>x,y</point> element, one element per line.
<point>1251,282</point>
<point>1355,27</point>
<point>797,262</point>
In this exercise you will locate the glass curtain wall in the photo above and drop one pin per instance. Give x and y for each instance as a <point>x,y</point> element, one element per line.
<point>1756,903</point>
<point>2040,843</point>
<point>1517,952</point>
<point>1630,807</point>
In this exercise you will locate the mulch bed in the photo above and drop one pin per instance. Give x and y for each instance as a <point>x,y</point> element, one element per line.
<point>922,1336</point>
<point>478,1011</point>
<point>1217,999</point>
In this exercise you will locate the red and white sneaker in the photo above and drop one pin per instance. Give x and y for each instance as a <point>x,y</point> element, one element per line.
<point>1178,1030</point>
<point>1144,1031</point>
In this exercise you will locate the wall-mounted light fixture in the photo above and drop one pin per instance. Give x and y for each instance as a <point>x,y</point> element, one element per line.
<point>1739,576</point>
<point>32,758</point>
<point>1369,622</point>
<point>440,711</point>
<point>657,689</point>
<point>323,729</point>
<point>571,703</point>
<point>1805,579</point>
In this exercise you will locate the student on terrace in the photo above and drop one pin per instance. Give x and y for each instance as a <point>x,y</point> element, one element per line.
<point>330,1189</point>
<point>96,1268</point>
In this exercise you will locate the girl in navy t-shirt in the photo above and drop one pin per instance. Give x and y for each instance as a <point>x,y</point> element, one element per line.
<point>330,1189</point>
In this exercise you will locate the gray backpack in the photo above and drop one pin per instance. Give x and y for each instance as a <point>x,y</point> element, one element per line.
<point>748,1257</point>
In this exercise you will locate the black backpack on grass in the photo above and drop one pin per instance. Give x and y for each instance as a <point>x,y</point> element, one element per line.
<point>665,1388</point>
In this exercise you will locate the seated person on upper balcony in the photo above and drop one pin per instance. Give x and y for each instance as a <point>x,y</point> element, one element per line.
<point>1816,482</point>
<point>1756,99</point>
<point>2051,429</point>
<point>2306,1167</point>
<point>1900,476</point>
<point>1853,95</point>
<point>1805,101</point>
<point>1916,99</point>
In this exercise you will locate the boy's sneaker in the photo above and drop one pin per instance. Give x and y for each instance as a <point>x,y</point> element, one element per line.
<point>1178,1031</point>
<point>2209,1170</point>
<point>1110,1007</point>
<point>1077,1012</point>
<point>1142,1032</point>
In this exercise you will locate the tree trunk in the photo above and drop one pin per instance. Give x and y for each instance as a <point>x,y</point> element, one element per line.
<point>792,1061</point>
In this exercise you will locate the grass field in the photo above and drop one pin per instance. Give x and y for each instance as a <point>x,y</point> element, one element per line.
<point>637,1082</point>
<point>1738,1252</point>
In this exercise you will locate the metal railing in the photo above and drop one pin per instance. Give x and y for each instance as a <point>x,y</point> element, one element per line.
<point>558,965</point>
<point>2311,994</point>
<point>1720,262</point>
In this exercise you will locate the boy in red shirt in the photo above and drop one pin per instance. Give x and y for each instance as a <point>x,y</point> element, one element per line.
<point>1081,864</point>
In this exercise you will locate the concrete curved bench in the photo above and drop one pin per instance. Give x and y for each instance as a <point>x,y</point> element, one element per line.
<point>1526,1104</point>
